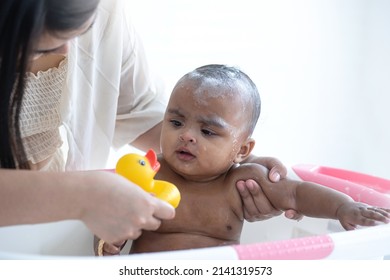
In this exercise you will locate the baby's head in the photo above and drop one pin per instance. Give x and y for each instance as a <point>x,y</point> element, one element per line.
<point>232,87</point>
<point>212,113</point>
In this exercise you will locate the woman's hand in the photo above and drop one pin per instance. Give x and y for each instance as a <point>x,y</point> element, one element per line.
<point>256,204</point>
<point>116,209</point>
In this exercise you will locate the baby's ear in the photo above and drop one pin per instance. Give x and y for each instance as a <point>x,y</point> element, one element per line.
<point>245,150</point>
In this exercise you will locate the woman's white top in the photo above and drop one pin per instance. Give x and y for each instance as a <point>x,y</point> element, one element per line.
<point>107,98</point>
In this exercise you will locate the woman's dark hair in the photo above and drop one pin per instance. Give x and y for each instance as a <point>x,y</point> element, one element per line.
<point>21,24</point>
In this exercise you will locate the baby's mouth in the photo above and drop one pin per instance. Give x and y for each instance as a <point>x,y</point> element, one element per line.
<point>185,155</point>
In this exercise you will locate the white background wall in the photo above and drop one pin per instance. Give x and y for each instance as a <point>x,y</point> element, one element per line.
<point>322,68</point>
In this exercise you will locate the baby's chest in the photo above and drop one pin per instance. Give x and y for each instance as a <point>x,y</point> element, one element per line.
<point>211,212</point>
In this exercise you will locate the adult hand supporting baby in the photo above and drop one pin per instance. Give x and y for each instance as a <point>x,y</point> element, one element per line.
<point>256,204</point>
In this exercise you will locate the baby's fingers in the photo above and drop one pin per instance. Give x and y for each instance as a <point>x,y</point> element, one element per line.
<point>376,214</point>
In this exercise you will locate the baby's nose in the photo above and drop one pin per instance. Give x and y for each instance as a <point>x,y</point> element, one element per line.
<point>187,137</point>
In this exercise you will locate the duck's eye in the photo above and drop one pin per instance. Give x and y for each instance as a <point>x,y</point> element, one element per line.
<point>142,162</point>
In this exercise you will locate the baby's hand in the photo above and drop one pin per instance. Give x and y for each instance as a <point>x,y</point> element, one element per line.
<point>355,214</point>
<point>113,249</point>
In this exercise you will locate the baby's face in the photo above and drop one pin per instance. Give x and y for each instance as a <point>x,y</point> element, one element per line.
<point>203,130</point>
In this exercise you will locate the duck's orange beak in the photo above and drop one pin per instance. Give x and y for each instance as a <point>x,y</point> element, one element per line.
<point>152,158</point>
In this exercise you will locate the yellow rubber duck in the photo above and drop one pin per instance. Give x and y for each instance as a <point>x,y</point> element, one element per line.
<point>141,171</point>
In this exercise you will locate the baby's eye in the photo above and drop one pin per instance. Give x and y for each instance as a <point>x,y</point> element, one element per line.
<point>208,132</point>
<point>175,123</point>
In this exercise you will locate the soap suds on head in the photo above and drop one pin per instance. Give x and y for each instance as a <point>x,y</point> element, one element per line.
<point>220,81</point>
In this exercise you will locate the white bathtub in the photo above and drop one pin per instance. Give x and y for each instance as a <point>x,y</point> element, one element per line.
<point>72,239</point>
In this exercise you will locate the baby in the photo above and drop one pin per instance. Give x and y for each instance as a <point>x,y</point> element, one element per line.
<point>206,135</point>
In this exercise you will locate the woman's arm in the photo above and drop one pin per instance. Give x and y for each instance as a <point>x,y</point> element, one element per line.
<point>111,207</point>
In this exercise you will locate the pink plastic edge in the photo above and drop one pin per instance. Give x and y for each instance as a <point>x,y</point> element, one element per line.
<point>358,192</point>
<point>307,248</point>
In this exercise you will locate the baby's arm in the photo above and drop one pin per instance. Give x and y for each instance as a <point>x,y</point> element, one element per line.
<point>313,200</point>
<point>307,198</point>
<point>322,202</point>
